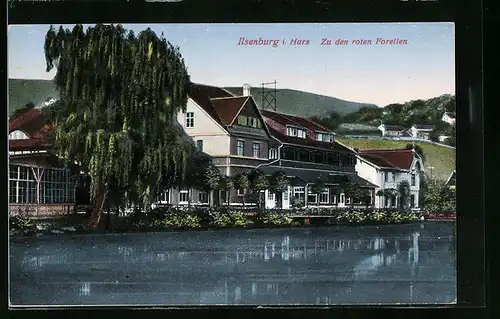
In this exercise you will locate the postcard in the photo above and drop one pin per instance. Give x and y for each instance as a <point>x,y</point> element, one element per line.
<point>232,164</point>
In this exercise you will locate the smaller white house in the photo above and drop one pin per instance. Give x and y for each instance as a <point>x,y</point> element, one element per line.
<point>387,169</point>
<point>422,130</point>
<point>449,117</point>
<point>392,130</point>
<point>443,138</point>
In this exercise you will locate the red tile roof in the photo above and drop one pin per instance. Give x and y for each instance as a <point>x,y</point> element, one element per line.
<point>34,125</point>
<point>228,108</point>
<point>394,158</point>
<point>202,95</point>
<point>286,119</point>
<point>309,142</point>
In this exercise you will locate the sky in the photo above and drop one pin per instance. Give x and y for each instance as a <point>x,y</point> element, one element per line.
<point>379,74</point>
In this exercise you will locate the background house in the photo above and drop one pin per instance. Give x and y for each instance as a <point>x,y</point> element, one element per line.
<point>422,131</point>
<point>392,130</point>
<point>449,117</point>
<point>387,168</point>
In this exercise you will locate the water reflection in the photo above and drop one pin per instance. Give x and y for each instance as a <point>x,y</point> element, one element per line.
<point>290,266</point>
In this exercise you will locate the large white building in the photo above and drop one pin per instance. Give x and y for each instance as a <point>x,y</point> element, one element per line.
<point>388,168</point>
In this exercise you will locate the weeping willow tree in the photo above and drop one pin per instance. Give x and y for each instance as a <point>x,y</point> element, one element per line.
<point>119,97</point>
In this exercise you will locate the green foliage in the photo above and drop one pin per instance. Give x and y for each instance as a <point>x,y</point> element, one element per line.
<point>417,148</point>
<point>211,178</point>
<point>241,181</point>
<point>22,222</point>
<point>231,219</point>
<point>376,217</point>
<point>279,182</point>
<point>318,186</point>
<point>118,99</point>
<point>258,181</point>
<point>274,219</point>
<point>182,221</point>
<point>437,197</point>
<point>404,194</point>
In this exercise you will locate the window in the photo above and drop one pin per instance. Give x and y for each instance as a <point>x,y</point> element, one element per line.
<point>385,176</point>
<point>242,192</point>
<point>203,197</point>
<point>183,196</point>
<point>199,145</point>
<point>323,196</point>
<point>334,199</point>
<point>242,120</point>
<point>270,196</point>
<point>18,135</point>
<point>273,153</point>
<point>412,200</point>
<point>393,176</point>
<point>256,150</point>
<point>412,179</point>
<point>285,195</point>
<point>342,198</point>
<point>252,121</point>
<point>386,201</point>
<point>240,148</point>
<point>164,196</point>
<point>190,119</point>
<point>299,193</point>
<point>312,198</point>
<point>348,200</point>
<point>319,136</point>
<point>293,131</point>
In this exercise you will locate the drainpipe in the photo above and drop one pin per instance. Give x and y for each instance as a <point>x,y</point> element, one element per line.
<point>276,160</point>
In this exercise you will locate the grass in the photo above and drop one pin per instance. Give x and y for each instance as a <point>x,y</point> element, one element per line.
<point>440,157</point>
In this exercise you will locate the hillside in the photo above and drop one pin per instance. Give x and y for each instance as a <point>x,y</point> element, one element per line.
<point>22,92</point>
<point>305,104</point>
<point>440,157</point>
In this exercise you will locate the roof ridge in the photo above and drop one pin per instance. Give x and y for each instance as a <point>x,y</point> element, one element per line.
<point>228,97</point>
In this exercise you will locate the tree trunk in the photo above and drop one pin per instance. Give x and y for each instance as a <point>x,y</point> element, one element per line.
<point>228,195</point>
<point>96,214</point>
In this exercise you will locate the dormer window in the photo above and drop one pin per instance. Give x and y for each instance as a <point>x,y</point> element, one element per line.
<point>18,135</point>
<point>324,137</point>
<point>295,132</point>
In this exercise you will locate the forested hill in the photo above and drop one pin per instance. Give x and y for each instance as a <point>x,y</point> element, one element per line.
<point>305,104</point>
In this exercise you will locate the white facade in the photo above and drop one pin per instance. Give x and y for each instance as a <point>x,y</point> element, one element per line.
<point>386,132</point>
<point>448,119</point>
<point>216,140</point>
<point>390,178</point>
<point>420,133</point>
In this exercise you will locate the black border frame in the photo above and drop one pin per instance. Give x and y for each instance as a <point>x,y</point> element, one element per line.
<point>467,15</point>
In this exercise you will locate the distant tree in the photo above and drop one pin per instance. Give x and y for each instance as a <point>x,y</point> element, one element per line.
<point>318,186</point>
<point>349,190</point>
<point>437,197</point>
<point>452,140</point>
<point>241,182</point>
<point>226,184</point>
<point>22,110</point>
<point>278,183</point>
<point>211,180</point>
<point>258,182</point>
<point>418,149</point>
<point>404,194</point>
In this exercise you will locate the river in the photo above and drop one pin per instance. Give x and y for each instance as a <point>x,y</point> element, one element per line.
<point>412,263</point>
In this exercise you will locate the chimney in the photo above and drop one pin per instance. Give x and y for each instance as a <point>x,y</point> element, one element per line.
<point>246,89</point>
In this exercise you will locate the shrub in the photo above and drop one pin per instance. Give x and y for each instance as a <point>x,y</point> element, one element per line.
<point>22,221</point>
<point>274,219</point>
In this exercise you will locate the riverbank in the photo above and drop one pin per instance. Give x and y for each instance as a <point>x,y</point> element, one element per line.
<point>204,220</point>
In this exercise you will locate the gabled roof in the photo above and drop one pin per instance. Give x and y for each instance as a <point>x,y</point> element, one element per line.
<point>34,125</point>
<point>291,120</point>
<point>394,158</point>
<point>423,127</point>
<point>227,108</point>
<point>392,127</point>
<point>202,95</point>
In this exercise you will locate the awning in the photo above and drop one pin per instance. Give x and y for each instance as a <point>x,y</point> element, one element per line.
<point>300,177</point>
